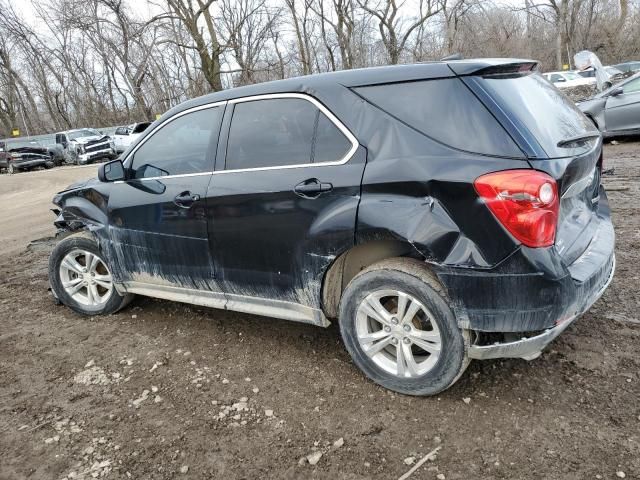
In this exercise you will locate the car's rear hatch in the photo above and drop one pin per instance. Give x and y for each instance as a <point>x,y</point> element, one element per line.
<point>558,140</point>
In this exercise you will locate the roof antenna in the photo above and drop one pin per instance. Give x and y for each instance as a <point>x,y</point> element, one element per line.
<point>453,56</point>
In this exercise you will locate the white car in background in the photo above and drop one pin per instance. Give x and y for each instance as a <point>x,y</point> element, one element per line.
<point>568,79</point>
<point>125,135</point>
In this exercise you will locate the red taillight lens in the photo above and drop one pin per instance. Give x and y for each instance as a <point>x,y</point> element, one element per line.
<point>525,202</point>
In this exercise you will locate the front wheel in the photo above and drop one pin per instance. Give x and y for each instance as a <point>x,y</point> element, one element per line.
<point>399,329</point>
<point>80,277</point>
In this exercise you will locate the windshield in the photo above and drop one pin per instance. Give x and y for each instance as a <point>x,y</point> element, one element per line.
<point>546,112</point>
<point>85,132</point>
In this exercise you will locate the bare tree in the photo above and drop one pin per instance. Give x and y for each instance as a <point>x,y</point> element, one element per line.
<point>394,30</point>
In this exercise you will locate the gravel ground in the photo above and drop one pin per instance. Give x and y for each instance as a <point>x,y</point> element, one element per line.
<point>164,390</point>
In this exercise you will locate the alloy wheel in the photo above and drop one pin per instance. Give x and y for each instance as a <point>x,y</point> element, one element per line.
<point>398,333</point>
<point>86,278</point>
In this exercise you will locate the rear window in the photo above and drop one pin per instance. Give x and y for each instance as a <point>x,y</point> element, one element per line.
<point>446,111</point>
<point>546,112</point>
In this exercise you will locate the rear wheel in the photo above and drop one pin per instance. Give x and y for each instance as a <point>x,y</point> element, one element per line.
<point>399,329</point>
<point>81,278</point>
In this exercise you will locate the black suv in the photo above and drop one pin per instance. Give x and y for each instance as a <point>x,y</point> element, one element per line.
<point>442,212</point>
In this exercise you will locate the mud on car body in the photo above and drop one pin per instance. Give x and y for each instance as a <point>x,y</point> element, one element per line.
<point>441,212</point>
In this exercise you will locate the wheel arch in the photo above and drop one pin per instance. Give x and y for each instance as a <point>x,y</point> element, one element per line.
<point>347,265</point>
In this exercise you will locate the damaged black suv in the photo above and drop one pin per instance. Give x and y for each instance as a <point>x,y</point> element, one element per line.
<point>442,212</point>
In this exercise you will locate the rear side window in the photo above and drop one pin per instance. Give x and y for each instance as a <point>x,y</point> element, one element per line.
<point>282,132</point>
<point>446,111</point>
<point>330,143</point>
<point>182,146</point>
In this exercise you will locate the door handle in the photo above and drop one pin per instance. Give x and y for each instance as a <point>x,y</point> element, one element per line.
<point>186,199</point>
<point>312,188</point>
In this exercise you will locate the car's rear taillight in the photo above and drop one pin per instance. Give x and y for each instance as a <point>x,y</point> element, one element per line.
<point>525,202</point>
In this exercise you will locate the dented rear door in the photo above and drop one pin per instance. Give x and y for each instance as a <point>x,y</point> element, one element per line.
<point>283,203</point>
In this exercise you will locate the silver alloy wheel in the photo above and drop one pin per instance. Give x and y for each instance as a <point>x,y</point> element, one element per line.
<point>86,278</point>
<point>398,333</point>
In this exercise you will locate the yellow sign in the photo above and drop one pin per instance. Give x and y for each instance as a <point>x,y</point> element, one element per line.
<point>565,67</point>
<point>158,115</point>
<point>15,132</point>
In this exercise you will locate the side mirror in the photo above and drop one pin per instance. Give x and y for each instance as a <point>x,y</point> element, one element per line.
<point>616,91</point>
<point>111,171</point>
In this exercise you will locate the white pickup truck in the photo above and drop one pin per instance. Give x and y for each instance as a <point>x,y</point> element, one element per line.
<point>85,145</point>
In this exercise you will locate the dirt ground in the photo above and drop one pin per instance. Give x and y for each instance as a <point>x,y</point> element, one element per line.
<point>164,390</point>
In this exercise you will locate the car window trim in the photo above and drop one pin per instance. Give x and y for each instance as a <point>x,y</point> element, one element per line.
<point>131,154</point>
<point>332,118</point>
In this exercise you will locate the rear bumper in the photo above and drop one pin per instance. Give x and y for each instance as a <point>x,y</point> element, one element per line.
<point>532,295</point>
<point>530,348</point>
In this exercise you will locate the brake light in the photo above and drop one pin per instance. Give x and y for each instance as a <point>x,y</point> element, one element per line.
<point>525,202</point>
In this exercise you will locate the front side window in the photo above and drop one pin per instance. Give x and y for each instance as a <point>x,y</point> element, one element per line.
<point>182,146</point>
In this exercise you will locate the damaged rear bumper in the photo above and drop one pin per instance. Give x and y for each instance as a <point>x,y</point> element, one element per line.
<point>530,348</point>
<point>533,295</point>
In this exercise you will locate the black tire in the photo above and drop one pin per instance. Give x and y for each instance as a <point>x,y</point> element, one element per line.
<point>81,241</point>
<point>412,277</point>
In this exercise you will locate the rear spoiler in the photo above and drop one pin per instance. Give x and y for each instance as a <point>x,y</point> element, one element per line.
<point>498,68</point>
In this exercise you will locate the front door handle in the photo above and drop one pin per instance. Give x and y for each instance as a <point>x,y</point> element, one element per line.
<point>186,199</point>
<point>312,188</point>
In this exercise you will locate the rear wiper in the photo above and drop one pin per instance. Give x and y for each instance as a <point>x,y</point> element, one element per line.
<point>583,137</point>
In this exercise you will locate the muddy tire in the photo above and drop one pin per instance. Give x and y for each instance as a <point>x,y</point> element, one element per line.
<point>397,325</point>
<point>81,279</point>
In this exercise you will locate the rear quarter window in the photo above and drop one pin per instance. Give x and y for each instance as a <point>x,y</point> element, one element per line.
<point>446,111</point>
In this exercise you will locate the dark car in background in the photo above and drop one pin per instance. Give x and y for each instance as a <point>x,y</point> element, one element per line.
<point>23,154</point>
<point>616,111</point>
<point>441,212</point>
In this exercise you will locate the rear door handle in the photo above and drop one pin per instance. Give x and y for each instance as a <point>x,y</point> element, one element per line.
<point>312,188</point>
<point>186,199</point>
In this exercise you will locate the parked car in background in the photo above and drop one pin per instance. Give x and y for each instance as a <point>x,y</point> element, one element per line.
<point>125,135</point>
<point>85,145</point>
<point>442,212</point>
<point>23,154</point>
<point>616,111</point>
<point>568,79</point>
<point>628,66</point>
